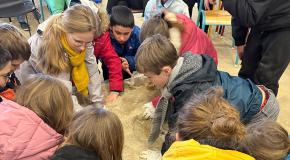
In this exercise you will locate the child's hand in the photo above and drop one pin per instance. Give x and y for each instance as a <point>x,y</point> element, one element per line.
<point>112,97</point>
<point>125,64</point>
<point>149,110</point>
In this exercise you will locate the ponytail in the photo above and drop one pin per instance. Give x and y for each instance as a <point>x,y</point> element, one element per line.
<point>211,120</point>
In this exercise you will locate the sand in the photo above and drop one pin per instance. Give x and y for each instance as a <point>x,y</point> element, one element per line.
<point>129,108</point>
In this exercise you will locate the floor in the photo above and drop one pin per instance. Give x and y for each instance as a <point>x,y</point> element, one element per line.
<point>129,106</point>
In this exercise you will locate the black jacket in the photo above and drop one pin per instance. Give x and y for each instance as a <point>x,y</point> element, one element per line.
<point>263,15</point>
<point>73,152</point>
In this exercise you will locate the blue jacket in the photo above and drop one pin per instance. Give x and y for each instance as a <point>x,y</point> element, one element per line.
<point>129,49</point>
<point>242,93</point>
<point>199,73</point>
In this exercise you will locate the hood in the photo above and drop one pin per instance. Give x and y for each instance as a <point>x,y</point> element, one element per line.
<point>192,150</point>
<point>195,69</point>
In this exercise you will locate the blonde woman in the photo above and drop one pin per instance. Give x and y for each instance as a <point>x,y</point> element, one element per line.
<point>33,127</point>
<point>62,48</point>
<point>94,134</point>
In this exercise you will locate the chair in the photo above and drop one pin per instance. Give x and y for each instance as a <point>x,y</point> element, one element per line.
<point>215,18</point>
<point>41,10</point>
<point>15,8</point>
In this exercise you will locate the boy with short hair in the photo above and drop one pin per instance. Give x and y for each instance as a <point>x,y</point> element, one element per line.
<point>5,67</point>
<point>12,40</point>
<point>124,38</point>
<point>181,77</point>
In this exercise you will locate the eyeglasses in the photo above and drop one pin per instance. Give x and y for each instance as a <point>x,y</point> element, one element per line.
<point>81,43</point>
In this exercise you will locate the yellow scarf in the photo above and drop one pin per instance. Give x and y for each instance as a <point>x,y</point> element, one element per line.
<point>80,75</point>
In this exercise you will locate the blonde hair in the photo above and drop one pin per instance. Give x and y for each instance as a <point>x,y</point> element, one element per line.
<point>99,130</point>
<point>49,99</point>
<point>14,41</point>
<point>210,119</point>
<point>267,140</point>
<point>160,24</point>
<point>155,53</point>
<point>76,19</point>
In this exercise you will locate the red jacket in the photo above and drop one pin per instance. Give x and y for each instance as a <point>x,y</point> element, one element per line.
<point>194,39</point>
<point>103,49</point>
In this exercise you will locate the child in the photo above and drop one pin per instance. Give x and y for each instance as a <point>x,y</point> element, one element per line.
<point>154,7</point>
<point>267,140</point>
<point>208,127</point>
<point>9,36</point>
<point>124,38</point>
<point>104,51</point>
<point>62,47</point>
<point>94,134</point>
<point>181,31</point>
<point>5,67</point>
<point>180,77</point>
<point>33,127</point>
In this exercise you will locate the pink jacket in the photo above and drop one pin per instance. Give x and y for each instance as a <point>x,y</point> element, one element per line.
<point>23,135</point>
<point>194,39</point>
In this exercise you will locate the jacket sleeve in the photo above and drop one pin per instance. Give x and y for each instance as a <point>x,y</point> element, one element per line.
<point>29,67</point>
<point>248,12</point>
<point>105,51</point>
<point>95,87</point>
<point>239,32</point>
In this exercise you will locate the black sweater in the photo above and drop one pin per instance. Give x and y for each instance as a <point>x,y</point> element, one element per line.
<point>73,152</point>
<point>262,15</point>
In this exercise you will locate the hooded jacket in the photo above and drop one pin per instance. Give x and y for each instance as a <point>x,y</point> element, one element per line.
<point>198,73</point>
<point>195,40</point>
<point>24,135</point>
<point>192,38</point>
<point>192,150</point>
